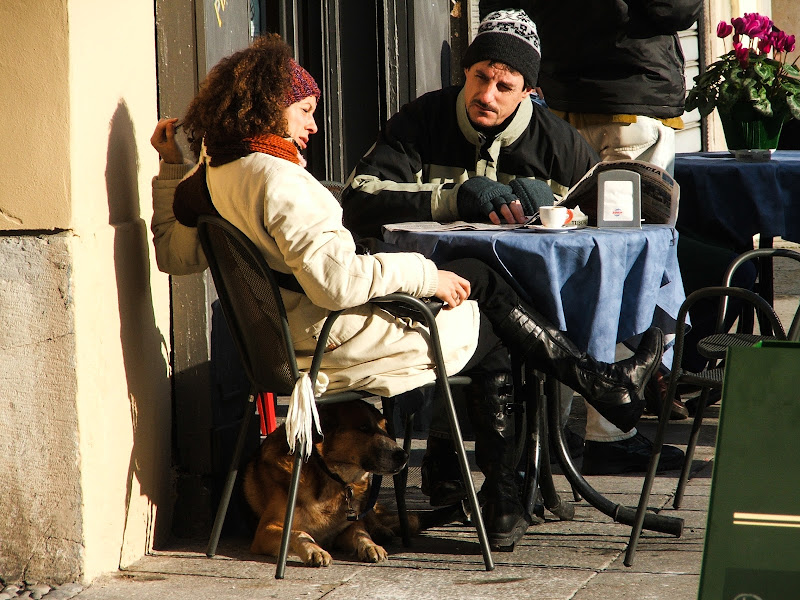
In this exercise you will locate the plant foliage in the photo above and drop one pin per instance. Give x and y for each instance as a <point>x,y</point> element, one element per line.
<point>754,71</point>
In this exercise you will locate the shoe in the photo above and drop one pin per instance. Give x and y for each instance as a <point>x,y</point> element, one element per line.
<point>505,519</point>
<point>654,393</point>
<point>441,474</point>
<point>627,456</point>
<point>713,397</point>
<point>574,445</point>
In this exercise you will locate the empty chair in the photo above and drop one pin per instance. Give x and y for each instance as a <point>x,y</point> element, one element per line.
<point>710,378</point>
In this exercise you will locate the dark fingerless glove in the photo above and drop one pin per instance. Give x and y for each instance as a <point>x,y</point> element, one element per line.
<point>532,193</point>
<point>478,197</point>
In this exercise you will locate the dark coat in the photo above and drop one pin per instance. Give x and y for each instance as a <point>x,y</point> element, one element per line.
<point>612,56</point>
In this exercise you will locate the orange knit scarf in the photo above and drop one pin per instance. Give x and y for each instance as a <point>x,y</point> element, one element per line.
<point>270,143</point>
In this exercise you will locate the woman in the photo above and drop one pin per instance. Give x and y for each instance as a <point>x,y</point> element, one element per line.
<point>248,124</point>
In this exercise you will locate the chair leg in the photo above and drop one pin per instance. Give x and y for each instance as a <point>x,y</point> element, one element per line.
<point>287,522</point>
<point>458,440</point>
<point>533,441</point>
<point>400,484</point>
<point>690,448</point>
<point>233,471</point>
<point>644,498</point>
<point>401,479</point>
<point>552,500</point>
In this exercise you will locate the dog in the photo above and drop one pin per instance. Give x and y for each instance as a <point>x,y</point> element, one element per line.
<point>334,482</point>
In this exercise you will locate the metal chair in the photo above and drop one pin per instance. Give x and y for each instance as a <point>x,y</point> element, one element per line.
<point>715,346</point>
<point>251,302</point>
<point>710,378</point>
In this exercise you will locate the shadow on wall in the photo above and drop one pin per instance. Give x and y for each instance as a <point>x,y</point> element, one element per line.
<point>143,347</point>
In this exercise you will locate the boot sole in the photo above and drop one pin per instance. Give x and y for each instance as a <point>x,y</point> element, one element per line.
<point>505,542</point>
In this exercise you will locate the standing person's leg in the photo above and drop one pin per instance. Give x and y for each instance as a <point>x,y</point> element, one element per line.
<point>647,139</point>
<point>608,449</point>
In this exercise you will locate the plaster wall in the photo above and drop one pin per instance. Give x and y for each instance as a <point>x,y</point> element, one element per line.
<point>787,17</point>
<point>85,354</point>
<point>33,94</point>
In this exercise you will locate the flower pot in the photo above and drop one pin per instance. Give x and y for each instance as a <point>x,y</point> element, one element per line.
<point>746,129</point>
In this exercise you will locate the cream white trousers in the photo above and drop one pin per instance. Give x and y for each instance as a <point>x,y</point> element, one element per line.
<point>648,140</point>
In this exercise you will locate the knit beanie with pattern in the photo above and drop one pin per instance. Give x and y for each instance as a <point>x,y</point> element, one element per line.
<point>510,37</point>
<point>302,84</point>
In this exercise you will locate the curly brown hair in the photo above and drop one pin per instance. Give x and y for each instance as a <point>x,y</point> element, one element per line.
<point>242,96</point>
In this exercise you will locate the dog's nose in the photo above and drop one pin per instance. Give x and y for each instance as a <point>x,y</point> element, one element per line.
<point>400,458</point>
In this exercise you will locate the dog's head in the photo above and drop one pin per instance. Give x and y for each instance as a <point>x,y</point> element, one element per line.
<point>355,436</point>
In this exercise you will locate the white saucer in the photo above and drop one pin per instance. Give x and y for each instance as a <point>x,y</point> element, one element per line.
<point>554,229</point>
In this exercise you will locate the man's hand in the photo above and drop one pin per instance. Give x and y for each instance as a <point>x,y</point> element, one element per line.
<point>533,192</point>
<point>481,197</point>
<point>163,140</point>
<point>453,289</point>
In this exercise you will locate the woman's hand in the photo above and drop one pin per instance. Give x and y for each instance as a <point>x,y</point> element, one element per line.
<point>163,140</point>
<point>453,289</point>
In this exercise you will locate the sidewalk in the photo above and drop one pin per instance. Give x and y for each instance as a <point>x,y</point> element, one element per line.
<point>558,560</point>
<point>578,560</point>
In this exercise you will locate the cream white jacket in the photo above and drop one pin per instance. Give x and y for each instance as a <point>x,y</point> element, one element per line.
<point>297,224</point>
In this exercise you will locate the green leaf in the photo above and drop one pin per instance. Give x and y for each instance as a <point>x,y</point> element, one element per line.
<point>793,104</point>
<point>763,106</point>
<point>791,70</point>
<point>764,71</point>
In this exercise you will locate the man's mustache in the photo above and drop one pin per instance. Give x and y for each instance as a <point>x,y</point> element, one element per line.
<point>484,107</point>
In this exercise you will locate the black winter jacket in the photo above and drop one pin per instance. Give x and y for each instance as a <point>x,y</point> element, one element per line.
<point>429,147</point>
<point>612,56</point>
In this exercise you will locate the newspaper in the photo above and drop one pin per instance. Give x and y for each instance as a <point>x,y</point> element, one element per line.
<point>453,226</point>
<point>660,192</point>
<point>660,196</point>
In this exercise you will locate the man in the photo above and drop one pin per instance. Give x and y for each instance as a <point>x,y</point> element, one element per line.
<point>622,87</point>
<point>472,153</point>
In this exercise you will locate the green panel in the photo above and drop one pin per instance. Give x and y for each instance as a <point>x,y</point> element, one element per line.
<point>752,546</point>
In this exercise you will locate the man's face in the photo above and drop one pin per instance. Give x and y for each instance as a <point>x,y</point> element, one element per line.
<point>492,92</point>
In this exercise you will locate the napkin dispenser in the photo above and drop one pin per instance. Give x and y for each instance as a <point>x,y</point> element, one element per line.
<point>619,199</point>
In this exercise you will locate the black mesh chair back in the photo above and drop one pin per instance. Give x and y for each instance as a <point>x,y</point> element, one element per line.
<point>252,305</point>
<point>715,346</point>
<point>334,187</point>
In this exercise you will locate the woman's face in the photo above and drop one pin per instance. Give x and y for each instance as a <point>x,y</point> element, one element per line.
<point>300,120</point>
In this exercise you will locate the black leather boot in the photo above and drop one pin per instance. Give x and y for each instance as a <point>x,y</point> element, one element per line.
<point>441,473</point>
<point>615,390</point>
<point>490,402</point>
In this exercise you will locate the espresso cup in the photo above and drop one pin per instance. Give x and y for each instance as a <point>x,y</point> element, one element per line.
<point>555,216</point>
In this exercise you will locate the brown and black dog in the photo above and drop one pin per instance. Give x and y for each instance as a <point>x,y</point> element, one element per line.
<point>335,478</point>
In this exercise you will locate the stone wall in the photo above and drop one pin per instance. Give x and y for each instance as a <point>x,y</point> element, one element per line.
<point>40,502</point>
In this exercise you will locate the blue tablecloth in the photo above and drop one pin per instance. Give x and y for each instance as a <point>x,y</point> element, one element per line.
<point>602,286</point>
<point>729,201</point>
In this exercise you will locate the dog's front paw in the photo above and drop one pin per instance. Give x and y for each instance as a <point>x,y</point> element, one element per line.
<point>314,556</point>
<point>372,552</point>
